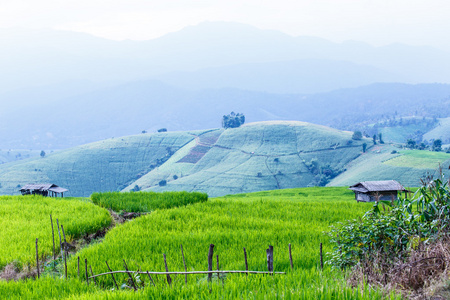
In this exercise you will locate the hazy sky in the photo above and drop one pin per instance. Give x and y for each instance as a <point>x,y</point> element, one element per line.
<point>379,22</point>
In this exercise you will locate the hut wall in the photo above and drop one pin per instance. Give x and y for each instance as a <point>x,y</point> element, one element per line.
<point>385,196</point>
<point>362,197</point>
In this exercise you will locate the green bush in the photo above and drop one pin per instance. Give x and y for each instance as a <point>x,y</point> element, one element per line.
<point>146,201</point>
<point>392,228</point>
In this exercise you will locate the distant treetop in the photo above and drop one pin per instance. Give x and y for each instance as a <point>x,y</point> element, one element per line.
<point>233,120</point>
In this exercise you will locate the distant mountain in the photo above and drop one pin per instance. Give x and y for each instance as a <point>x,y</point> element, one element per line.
<point>43,57</point>
<point>150,105</point>
<point>285,77</point>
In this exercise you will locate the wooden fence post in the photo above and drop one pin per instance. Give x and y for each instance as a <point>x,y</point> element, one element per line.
<point>210,259</point>
<point>85,271</point>
<point>65,251</point>
<point>60,241</point>
<point>78,267</point>
<point>290,257</point>
<point>129,275</point>
<point>95,280</point>
<point>169,280</point>
<point>269,253</point>
<point>184,262</point>
<point>37,259</point>
<point>245,257</point>
<point>321,257</point>
<point>53,236</point>
<point>112,275</point>
<point>151,279</point>
<point>218,274</point>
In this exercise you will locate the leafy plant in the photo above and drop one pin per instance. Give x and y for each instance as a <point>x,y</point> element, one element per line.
<point>392,228</point>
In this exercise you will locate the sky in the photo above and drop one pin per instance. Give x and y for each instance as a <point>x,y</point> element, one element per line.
<point>377,22</point>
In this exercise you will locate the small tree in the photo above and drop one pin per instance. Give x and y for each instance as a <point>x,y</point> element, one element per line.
<point>357,135</point>
<point>364,146</point>
<point>380,138</point>
<point>42,153</point>
<point>411,144</point>
<point>437,145</point>
<point>374,138</point>
<point>233,120</point>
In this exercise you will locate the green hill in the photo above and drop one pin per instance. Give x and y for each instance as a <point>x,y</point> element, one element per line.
<point>108,165</point>
<point>254,157</point>
<point>441,131</point>
<point>405,166</point>
<point>258,156</point>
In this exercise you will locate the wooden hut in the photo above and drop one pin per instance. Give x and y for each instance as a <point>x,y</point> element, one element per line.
<point>46,189</point>
<point>368,191</point>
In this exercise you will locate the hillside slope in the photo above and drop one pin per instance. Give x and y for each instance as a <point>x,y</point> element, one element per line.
<point>405,166</point>
<point>108,165</point>
<point>254,157</point>
<point>258,156</point>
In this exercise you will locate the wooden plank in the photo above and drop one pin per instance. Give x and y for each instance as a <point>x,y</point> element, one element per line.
<point>191,272</point>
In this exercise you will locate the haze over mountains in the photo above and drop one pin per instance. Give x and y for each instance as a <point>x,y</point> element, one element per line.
<point>60,89</point>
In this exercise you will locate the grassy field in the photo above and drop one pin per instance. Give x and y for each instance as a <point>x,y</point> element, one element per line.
<point>418,159</point>
<point>146,201</point>
<point>254,221</point>
<point>25,218</point>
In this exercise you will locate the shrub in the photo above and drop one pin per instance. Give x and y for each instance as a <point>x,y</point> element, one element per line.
<point>162,183</point>
<point>357,135</point>
<point>392,228</point>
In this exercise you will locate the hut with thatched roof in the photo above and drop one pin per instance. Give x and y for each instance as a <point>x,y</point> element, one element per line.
<point>368,191</point>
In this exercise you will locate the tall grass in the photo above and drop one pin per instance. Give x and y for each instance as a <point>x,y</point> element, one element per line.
<point>146,201</point>
<point>296,216</point>
<point>231,223</point>
<point>25,218</point>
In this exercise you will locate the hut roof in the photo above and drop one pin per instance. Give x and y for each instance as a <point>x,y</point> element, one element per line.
<point>44,187</point>
<point>377,186</point>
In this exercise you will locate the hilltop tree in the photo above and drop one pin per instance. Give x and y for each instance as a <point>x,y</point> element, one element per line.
<point>233,120</point>
<point>374,138</point>
<point>42,153</point>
